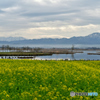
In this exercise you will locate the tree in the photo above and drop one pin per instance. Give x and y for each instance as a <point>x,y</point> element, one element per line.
<point>72,52</point>
<point>3,47</point>
<point>72,48</point>
<point>7,47</point>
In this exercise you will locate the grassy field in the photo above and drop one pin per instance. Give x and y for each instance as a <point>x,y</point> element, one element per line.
<point>48,80</point>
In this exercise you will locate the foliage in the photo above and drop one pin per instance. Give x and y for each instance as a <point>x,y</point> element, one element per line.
<point>48,80</point>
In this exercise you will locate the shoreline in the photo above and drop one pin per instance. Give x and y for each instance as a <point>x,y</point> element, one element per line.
<point>44,52</point>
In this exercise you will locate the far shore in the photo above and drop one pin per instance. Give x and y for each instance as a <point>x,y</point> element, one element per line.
<point>98,53</point>
<point>43,51</point>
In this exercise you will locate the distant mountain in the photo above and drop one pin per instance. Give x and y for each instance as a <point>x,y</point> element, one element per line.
<point>11,38</point>
<point>90,39</point>
<point>94,35</point>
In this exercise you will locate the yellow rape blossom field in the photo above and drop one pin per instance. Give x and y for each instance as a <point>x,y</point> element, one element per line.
<point>48,80</point>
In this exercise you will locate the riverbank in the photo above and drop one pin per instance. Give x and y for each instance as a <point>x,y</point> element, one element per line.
<point>46,52</point>
<point>40,52</point>
<point>23,54</point>
<point>98,53</point>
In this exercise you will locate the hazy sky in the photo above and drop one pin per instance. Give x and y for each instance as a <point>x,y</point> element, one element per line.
<point>49,18</point>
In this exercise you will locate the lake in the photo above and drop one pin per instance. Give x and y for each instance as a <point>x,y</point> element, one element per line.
<point>55,45</point>
<point>76,56</point>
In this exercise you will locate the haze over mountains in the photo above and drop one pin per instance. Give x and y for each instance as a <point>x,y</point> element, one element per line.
<point>11,38</point>
<point>90,39</point>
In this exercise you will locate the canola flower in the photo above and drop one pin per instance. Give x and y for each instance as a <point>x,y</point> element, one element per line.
<point>48,80</point>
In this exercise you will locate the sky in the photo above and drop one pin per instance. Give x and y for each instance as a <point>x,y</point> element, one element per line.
<point>33,19</point>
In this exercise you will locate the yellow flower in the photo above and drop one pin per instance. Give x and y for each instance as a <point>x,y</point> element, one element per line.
<point>75,83</point>
<point>55,89</point>
<point>69,89</point>
<point>63,97</point>
<point>64,86</point>
<point>55,97</point>
<point>7,95</point>
<point>47,89</point>
<point>81,97</point>
<point>35,98</point>
<point>57,93</point>
<point>10,84</point>
<point>18,74</point>
<point>67,98</point>
<point>40,96</point>
<point>4,92</point>
<point>61,82</point>
<point>49,93</point>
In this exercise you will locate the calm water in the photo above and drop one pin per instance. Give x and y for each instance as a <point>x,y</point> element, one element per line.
<point>55,46</point>
<point>76,56</point>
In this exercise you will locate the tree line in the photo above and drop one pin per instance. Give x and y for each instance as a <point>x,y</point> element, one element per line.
<point>7,48</point>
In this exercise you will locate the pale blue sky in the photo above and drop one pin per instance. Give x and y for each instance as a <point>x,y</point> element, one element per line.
<point>49,18</point>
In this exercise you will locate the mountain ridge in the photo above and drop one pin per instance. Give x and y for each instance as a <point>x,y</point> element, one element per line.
<point>93,38</point>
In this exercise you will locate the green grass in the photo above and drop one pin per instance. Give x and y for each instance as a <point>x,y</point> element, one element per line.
<point>48,80</point>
